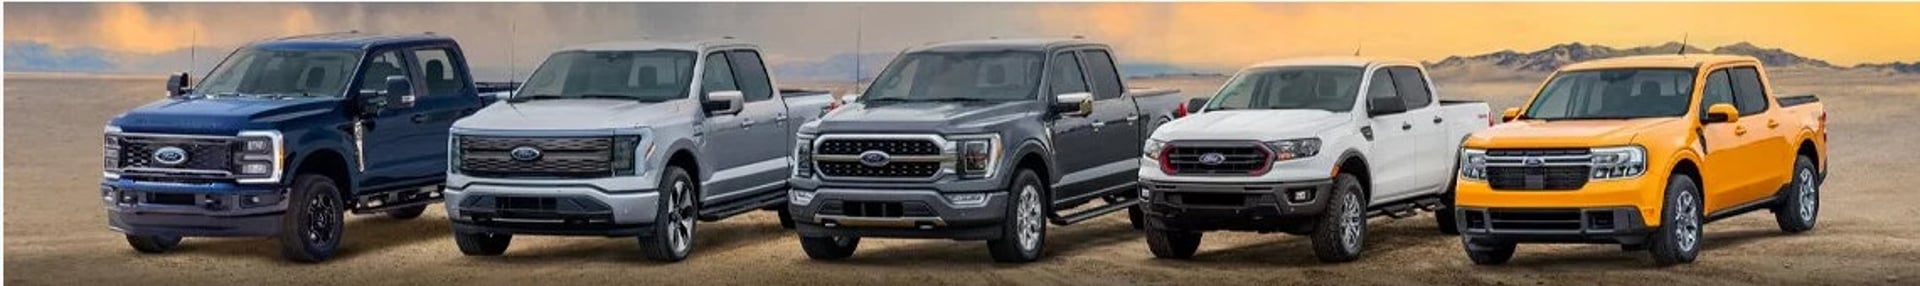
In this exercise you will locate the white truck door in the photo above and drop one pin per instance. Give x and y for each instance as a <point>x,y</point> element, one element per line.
<point>1427,137</point>
<point>1393,155</point>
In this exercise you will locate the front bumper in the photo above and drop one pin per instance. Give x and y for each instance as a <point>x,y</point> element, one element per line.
<point>899,210</point>
<point>138,207</point>
<point>1643,194</point>
<point>1250,206</point>
<point>1622,225</point>
<point>549,208</point>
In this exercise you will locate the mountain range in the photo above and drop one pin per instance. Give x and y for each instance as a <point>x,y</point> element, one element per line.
<point>1552,58</point>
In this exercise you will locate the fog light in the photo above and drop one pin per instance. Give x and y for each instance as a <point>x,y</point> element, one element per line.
<point>1300,195</point>
<point>106,194</point>
<point>256,168</point>
<point>1145,193</point>
<point>968,199</point>
<point>799,197</point>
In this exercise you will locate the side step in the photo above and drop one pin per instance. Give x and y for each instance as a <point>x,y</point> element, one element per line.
<point>395,199</point>
<point>1407,208</point>
<point>743,205</point>
<point>1110,207</point>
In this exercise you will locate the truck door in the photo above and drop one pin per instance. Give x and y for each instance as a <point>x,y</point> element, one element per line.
<point>1395,150</point>
<point>1074,137</point>
<point>1737,164</point>
<point>765,121</point>
<point>389,142</point>
<point>726,147</point>
<point>445,96</point>
<point>1433,163</point>
<point>1116,121</point>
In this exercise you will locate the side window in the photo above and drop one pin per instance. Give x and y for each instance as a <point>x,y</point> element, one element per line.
<point>1411,86</point>
<point>752,75</point>
<point>1065,76</point>
<point>1105,78</point>
<point>374,76</point>
<point>437,71</point>
<point>1749,96</point>
<point>1718,90</point>
<point>718,75</point>
<point>1381,88</point>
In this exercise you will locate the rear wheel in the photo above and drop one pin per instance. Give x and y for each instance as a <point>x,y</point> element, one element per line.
<point>1799,204</point>
<point>1023,237</point>
<point>1170,243</point>
<point>1677,240</point>
<point>153,243</point>
<point>1341,233</point>
<point>829,248</point>
<point>482,244</point>
<point>671,238</point>
<point>1443,217</point>
<point>407,213</point>
<point>311,229</point>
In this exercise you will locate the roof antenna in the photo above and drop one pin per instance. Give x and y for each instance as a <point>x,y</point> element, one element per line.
<point>1357,45</point>
<point>513,29</point>
<point>859,21</point>
<point>1683,43</point>
<point>193,54</point>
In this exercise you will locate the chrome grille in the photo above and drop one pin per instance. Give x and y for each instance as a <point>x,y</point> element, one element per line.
<point>559,156</point>
<point>206,156</point>
<point>1556,169</point>
<point>1238,159</point>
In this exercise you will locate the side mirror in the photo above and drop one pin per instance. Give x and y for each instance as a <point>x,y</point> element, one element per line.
<point>399,95</point>
<point>1073,104</point>
<point>399,88</point>
<point>1509,114</point>
<point>1385,106</point>
<point>723,102</point>
<point>179,84</point>
<point>1195,105</point>
<point>1721,113</point>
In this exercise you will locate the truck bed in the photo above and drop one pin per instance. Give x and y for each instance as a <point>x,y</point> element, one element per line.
<point>1790,101</point>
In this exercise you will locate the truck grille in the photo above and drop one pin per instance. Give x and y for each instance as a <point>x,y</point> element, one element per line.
<point>1235,160</point>
<point>559,156</point>
<point>1560,169</point>
<point>1563,220</point>
<point>911,158</point>
<point>894,147</point>
<point>205,157</point>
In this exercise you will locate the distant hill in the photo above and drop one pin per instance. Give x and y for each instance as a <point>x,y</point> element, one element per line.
<point>1894,67</point>
<point>1552,58</point>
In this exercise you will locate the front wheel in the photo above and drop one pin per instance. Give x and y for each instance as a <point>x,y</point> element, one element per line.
<point>1023,235</point>
<point>1443,217</point>
<point>482,244</point>
<point>1171,244</point>
<point>311,229</point>
<point>1488,252</point>
<point>1341,233</point>
<point>829,248</point>
<point>671,238</point>
<point>153,243</point>
<point>1799,205</point>
<point>1677,240</point>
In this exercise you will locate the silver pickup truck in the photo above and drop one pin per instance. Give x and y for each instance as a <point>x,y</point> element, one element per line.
<point>627,139</point>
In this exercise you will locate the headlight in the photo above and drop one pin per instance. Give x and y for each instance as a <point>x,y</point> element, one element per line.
<point>260,156</point>
<point>1473,164</point>
<point>1153,148</point>
<point>1293,148</point>
<point>112,151</point>
<point>977,155</point>
<point>453,154</point>
<point>625,161</point>
<point>799,196</point>
<point>803,157</point>
<point>1619,162</point>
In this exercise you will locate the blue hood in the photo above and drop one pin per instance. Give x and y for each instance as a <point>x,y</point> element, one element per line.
<point>219,116</point>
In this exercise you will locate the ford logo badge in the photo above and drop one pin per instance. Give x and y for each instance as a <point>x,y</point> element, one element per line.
<point>170,155</point>
<point>1211,159</point>
<point>1532,161</point>
<point>524,153</point>
<point>875,158</point>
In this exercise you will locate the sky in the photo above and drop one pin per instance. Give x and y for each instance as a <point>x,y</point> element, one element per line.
<point>507,38</point>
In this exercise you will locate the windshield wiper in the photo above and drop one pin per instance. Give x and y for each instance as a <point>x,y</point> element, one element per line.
<point>610,96</point>
<point>883,99</point>
<point>524,98</point>
<point>954,99</point>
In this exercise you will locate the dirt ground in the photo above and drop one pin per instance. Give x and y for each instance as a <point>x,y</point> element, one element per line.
<point>55,230</point>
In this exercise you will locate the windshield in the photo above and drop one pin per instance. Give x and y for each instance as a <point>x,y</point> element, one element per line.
<point>1614,94</point>
<point>1324,88</point>
<point>637,75</point>
<point>963,76</point>
<point>253,72</point>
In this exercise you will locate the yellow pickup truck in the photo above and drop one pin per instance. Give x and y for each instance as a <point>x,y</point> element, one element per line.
<point>1641,151</point>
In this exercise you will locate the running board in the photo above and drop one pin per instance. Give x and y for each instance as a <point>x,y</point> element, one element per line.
<point>743,205</point>
<point>1112,207</point>
<point>1406,208</point>
<point>380,202</point>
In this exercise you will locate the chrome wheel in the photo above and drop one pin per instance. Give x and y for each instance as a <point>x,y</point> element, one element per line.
<point>1028,218</point>
<point>1686,220</point>
<point>1809,195</point>
<point>680,217</point>
<point>1355,223</point>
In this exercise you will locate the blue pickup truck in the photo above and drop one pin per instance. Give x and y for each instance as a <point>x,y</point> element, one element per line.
<point>287,135</point>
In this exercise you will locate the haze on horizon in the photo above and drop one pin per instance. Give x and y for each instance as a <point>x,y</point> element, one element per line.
<point>1204,36</point>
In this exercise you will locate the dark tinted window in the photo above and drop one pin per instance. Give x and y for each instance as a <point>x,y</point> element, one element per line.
<point>752,75</point>
<point>1748,94</point>
<point>1412,87</point>
<point>718,75</point>
<point>304,73</point>
<point>1717,91</point>
<point>438,71</point>
<point>967,76</point>
<point>373,78</point>
<point>1065,74</point>
<point>1106,81</point>
<point>1614,94</point>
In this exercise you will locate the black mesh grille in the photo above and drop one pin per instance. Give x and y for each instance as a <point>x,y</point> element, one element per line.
<point>1537,152</point>
<point>559,156</point>
<point>1238,160</point>
<point>894,147</point>
<point>891,170</point>
<point>1538,178</point>
<point>203,154</point>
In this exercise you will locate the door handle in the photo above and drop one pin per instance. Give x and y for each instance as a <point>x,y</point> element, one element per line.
<point>1406,126</point>
<point>746,123</point>
<point>1437,120</point>
<point>1131,119</point>
<point>1098,124</point>
<point>420,118</point>
<point>1739,130</point>
<point>1772,124</point>
<point>780,117</point>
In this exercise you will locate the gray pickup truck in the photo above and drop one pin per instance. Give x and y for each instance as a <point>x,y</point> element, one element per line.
<point>975,140</point>
<point>619,139</point>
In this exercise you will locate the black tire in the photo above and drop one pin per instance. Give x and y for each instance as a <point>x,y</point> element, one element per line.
<point>829,248</point>
<point>1798,206</point>
<point>1443,217</point>
<point>407,213</point>
<point>311,229</point>
<point>1171,243</point>
<point>671,239</point>
<point>786,216</point>
<point>153,243</point>
<point>482,244</point>
<point>1678,239</point>
<point>1488,252</point>
<point>1023,236</point>
<point>1137,217</point>
<point>1341,233</point>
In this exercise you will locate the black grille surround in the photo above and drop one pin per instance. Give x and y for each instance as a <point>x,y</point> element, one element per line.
<point>894,147</point>
<point>207,157</point>
<point>570,157</point>
<point>1550,169</point>
<point>1248,159</point>
<point>911,158</point>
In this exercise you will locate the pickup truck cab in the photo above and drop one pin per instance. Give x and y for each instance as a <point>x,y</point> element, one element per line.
<point>1642,152</point>
<point>626,139</point>
<point>1311,146</point>
<point>975,140</point>
<point>286,135</point>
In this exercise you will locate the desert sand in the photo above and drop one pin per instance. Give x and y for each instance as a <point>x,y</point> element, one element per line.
<point>56,234</point>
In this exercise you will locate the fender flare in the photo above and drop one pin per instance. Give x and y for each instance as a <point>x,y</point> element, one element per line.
<point>1033,147</point>
<point>682,145</point>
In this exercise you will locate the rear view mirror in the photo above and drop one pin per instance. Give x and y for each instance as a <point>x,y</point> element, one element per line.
<point>1385,105</point>
<point>1073,104</point>
<point>723,102</point>
<point>1509,114</point>
<point>1721,113</point>
<point>179,84</point>
<point>1195,105</point>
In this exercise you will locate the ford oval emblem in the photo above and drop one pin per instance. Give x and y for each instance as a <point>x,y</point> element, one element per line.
<point>875,158</point>
<point>1211,159</point>
<point>170,155</point>
<point>1534,161</point>
<point>524,153</point>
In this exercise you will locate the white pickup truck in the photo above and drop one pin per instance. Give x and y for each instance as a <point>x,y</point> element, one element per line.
<point>1307,147</point>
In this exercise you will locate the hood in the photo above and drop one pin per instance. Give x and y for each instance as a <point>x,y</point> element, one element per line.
<point>1263,125</point>
<point>574,114</point>
<point>1564,133</point>
<point>925,116</point>
<point>219,116</point>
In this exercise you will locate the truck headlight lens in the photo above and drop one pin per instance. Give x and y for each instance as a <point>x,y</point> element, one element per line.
<point>112,152</point>
<point>453,154</point>
<point>1473,164</point>
<point>977,155</point>
<point>1293,148</point>
<point>260,155</point>
<point>1619,162</point>
<point>624,159</point>
<point>1153,148</point>
<point>803,158</point>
